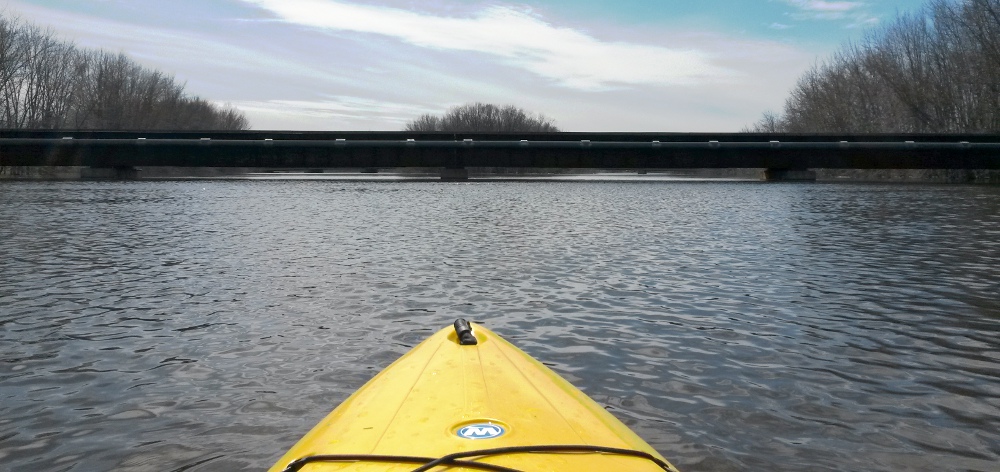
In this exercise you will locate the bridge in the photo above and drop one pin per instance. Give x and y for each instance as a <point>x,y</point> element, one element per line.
<point>783,156</point>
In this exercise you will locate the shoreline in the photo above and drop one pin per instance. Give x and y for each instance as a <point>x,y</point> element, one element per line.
<point>70,173</point>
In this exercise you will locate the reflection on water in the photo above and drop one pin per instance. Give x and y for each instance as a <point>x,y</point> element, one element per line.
<point>736,326</point>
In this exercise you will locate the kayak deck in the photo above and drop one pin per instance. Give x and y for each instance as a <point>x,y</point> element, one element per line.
<point>443,398</point>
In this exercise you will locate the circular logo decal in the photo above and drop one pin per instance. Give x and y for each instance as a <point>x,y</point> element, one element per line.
<point>481,431</point>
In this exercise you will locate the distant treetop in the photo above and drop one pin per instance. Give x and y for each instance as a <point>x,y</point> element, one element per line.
<point>483,117</point>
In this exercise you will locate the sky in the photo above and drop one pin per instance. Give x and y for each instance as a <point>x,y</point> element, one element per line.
<point>588,65</point>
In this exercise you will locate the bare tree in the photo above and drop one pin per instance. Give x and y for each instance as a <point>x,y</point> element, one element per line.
<point>47,83</point>
<point>769,123</point>
<point>934,71</point>
<point>424,123</point>
<point>483,117</point>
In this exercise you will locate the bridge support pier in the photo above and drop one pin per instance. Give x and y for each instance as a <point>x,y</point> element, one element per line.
<point>109,173</point>
<point>454,175</point>
<point>789,175</point>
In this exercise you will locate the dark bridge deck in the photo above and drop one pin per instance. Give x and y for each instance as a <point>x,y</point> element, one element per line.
<point>265,149</point>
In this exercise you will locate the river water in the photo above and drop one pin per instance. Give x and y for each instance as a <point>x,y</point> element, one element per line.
<point>206,325</point>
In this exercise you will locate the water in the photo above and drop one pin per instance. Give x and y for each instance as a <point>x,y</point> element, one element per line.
<point>167,326</point>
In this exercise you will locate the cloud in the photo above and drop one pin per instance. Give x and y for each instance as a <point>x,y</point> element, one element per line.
<point>564,55</point>
<point>825,6</point>
<point>287,74</point>
<point>855,12</point>
<point>334,112</point>
<point>164,48</point>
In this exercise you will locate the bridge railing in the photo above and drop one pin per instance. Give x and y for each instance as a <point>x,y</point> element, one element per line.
<point>116,149</point>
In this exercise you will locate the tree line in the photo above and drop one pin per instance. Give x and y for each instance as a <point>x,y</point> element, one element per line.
<point>483,117</point>
<point>934,71</point>
<point>48,83</point>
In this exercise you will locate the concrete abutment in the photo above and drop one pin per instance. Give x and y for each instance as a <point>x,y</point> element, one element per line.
<point>789,175</point>
<point>454,175</point>
<point>109,173</point>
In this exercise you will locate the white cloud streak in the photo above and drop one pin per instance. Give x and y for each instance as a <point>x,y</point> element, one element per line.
<point>563,55</point>
<point>288,75</point>
<point>162,47</point>
<point>825,6</point>
<point>832,10</point>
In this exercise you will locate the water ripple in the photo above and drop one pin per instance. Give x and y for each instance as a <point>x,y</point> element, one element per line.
<point>735,326</point>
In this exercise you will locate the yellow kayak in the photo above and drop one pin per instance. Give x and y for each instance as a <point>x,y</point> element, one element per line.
<point>466,399</point>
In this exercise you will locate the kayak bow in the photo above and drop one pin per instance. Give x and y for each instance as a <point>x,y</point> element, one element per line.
<point>466,399</point>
